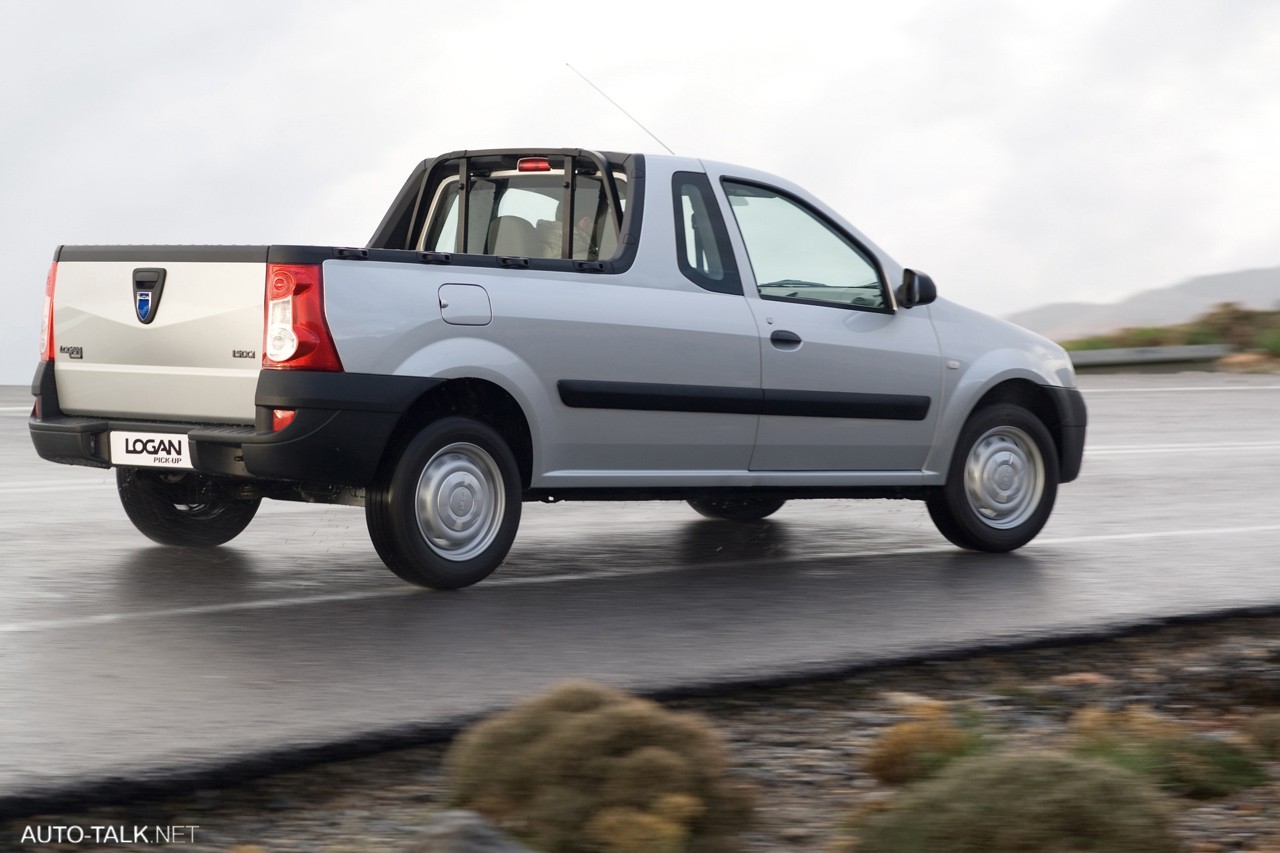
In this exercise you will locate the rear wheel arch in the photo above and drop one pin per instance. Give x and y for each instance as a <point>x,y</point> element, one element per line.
<point>477,399</point>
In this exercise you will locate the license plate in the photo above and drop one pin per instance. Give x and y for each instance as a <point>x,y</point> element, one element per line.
<point>150,450</point>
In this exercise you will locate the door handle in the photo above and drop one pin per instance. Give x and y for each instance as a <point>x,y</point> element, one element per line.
<point>785,340</point>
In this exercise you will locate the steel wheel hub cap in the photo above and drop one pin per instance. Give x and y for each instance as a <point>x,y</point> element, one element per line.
<point>1004,477</point>
<point>460,501</point>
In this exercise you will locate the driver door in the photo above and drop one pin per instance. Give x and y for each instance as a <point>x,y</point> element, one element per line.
<point>850,383</point>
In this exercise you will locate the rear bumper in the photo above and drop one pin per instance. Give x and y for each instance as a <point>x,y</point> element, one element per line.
<point>342,426</point>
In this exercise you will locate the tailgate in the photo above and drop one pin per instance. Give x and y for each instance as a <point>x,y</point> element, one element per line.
<point>158,332</point>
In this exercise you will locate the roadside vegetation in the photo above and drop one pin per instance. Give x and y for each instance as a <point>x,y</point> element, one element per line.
<point>590,769</point>
<point>1165,752</point>
<point>921,747</point>
<point>586,769</point>
<point>1242,329</point>
<point>1010,802</point>
<point>1120,773</point>
<point>1119,745</point>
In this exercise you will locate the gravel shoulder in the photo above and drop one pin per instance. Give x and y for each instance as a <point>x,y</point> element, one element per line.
<point>803,747</point>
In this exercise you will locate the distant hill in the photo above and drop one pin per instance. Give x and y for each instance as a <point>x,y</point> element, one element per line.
<point>1180,303</point>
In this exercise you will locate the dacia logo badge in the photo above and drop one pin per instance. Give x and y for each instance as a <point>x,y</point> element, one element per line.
<point>148,287</point>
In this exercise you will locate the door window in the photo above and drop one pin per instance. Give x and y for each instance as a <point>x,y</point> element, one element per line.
<point>702,242</point>
<point>798,256</point>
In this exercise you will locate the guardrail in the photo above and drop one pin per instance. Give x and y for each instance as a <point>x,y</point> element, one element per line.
<point>1148,355</point>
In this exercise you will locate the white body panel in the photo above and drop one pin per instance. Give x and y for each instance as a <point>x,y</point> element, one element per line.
<point>180,367</point>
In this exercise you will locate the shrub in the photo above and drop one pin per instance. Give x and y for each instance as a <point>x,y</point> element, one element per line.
<point>1134,722</point>
<point>1265,731</point>
<point>587,768</point>
<point>1019,802</point>
<point>1235,324</point>
<point>1199,334</point>
<point>914,750</point>
<point>1268,341</point>
<point>1150,336</point>
<point>1093,343</point>
<point>1228,323</point>
<point>1165,752</point>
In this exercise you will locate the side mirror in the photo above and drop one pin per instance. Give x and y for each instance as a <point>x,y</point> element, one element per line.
<point>916,289</point>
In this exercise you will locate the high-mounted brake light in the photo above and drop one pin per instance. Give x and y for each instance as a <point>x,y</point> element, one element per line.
<point>297,335</point>
<point>533,164</point>
<point>46,322</point>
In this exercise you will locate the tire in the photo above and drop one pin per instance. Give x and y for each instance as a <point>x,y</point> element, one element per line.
<point>445,515</point>
<point>1002,481</point>
<point>737,509</point>
<point>184,509</point>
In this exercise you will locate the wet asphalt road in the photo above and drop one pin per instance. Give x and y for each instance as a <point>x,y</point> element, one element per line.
<point>125,663</point>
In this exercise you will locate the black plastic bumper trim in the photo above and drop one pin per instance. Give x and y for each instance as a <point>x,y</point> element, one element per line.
<point>70,441</point>
<point>341,428</point>
<point>340,431</point>
<point>367,392</point>
<point>61,439</point>
<point>1073,417</point>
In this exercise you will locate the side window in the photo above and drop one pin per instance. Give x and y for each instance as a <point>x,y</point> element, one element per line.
<point>594,234</point>
<point>702,242</point>
<point>798,256</point>
<point>442,232</point>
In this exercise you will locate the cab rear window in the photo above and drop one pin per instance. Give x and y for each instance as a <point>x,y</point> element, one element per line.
<point>523,214</point>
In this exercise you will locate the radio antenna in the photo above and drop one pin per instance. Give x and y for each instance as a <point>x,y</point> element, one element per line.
<point>620,109</point>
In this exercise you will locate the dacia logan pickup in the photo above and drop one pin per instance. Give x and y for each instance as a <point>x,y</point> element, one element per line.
<point>548,324</point>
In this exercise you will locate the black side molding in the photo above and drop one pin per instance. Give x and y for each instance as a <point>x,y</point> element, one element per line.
<point>659,397</point>
<point>662,397</point>
<point>829,404</point>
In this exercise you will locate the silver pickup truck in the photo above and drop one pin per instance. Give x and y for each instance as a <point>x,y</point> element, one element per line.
<point>548,324</point>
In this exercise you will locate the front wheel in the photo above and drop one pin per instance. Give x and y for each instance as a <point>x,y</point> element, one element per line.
<point>1002,481</point>
<point>184,509</point>
<point>446,515</point>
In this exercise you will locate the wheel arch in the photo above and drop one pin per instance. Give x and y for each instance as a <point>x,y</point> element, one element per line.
<point>1046,402</point>
<point>1033,397</point>
<point>478,399</point>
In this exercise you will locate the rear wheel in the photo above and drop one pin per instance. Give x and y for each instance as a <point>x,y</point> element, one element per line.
<point>446,515</point>
<point>184,509</point>
<point>1002,481</point>
<point>737,509</point>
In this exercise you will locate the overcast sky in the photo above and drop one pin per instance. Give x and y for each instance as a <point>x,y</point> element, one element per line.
<point>1021,153</point>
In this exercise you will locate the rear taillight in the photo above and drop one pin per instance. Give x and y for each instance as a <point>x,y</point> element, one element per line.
<point>297,336</point>
<point>46,322</point>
